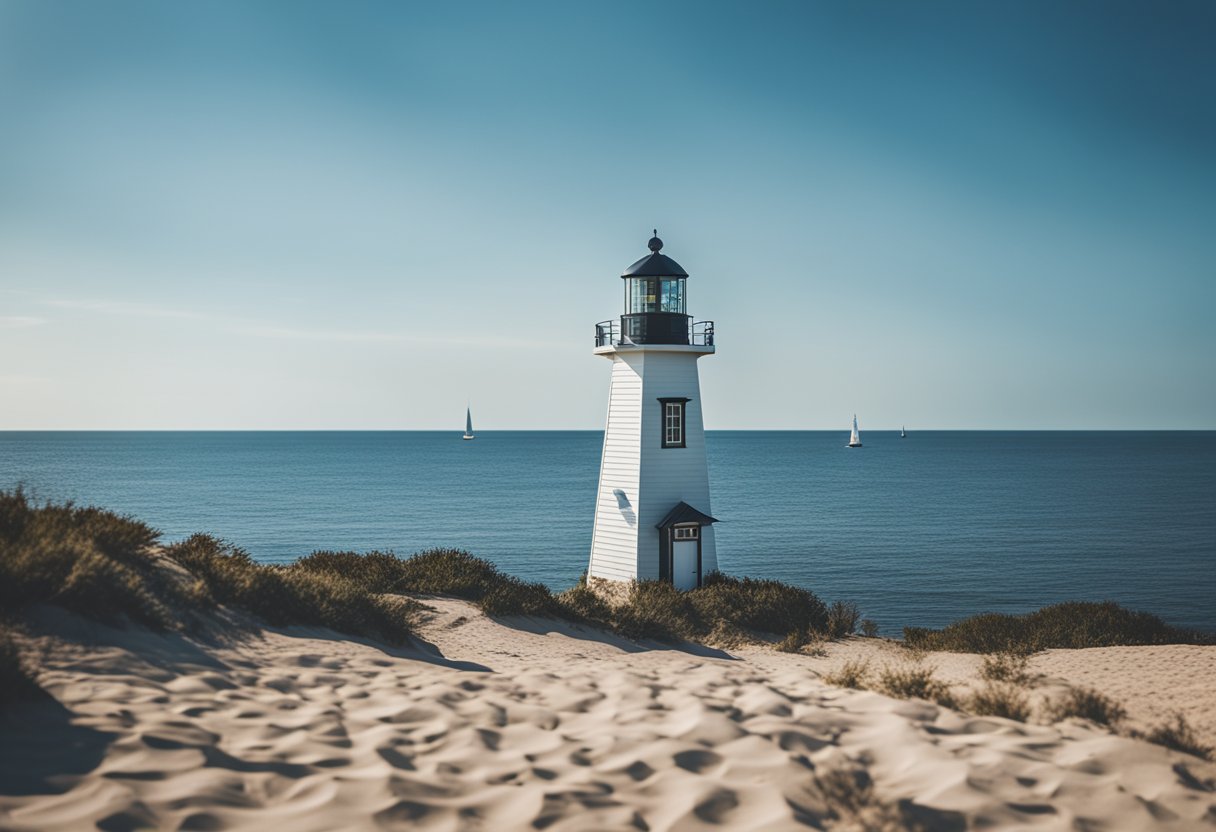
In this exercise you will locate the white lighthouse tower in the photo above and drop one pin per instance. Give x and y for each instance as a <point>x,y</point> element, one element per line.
<point>652,516</point>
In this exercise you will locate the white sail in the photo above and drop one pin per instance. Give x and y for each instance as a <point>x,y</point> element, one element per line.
<point>855,436</point>
<point>468,423</point>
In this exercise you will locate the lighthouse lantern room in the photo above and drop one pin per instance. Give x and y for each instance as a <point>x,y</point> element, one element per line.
<point>652,517</point>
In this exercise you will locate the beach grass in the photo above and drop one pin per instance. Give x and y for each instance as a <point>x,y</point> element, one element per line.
<point>283,595</point>
<point>449,572</point>
<point>112,567</point>
<point>852,674</point>
<point>843,618</point>
<point>87,560</point>
<point>106,566</point>
<point>1003,699</point>
<point>1086,703</point>
<point>915,682</point>
<point>17,682</point>
<point>723,608</point>
<point>1178,734</point>
<point>109,567</point>
<point>1006,667</point>
<point>1070,625</point>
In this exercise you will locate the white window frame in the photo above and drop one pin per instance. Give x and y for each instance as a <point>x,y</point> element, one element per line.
<point>674,422</point>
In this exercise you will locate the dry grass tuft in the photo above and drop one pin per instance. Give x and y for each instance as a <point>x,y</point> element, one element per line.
<point>803,642</point>
<point>851,804</point>
<point>851,674</point>
<point>842,619</point>
<point>1006,667</point>
<point>915,682</point>
<point>1180,736</point>
<point>1086,703</point>
<point>1003,699</point>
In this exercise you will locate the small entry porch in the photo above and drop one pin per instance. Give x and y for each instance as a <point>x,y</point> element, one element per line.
<point>680,546</point>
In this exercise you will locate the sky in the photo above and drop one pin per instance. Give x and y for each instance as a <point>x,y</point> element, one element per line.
<point>353,215</point>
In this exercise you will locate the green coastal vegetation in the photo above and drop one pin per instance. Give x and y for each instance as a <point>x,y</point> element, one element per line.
<point>1070,625</point>
<point>109,567</point>
<point>113,568</point>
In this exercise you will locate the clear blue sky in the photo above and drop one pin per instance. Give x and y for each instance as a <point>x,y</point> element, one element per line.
<point>354,215</point>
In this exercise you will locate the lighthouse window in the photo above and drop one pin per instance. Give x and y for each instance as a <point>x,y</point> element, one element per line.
<point>686,532</point>
<point>673,427</point>
<point>672,294</point>
<point>673,422</point>
<point>643,294</point>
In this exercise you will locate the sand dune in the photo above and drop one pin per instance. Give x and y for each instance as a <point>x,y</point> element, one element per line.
<point>545,726</point>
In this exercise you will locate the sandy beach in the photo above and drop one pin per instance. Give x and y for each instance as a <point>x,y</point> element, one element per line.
<point>532,724</point>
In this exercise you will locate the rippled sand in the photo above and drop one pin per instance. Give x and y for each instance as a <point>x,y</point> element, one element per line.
<point>539,725</point>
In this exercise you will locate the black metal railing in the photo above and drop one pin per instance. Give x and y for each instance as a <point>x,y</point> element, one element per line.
<point>608,333</point>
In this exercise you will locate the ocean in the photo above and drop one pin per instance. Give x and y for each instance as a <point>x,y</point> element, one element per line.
<point>918,531</point>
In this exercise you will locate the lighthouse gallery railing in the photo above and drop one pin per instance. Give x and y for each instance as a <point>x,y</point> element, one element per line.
<point>608,333</point>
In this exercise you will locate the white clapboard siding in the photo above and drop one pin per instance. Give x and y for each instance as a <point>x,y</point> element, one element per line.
<point>614,544</point>
<point>672,475</point>
<point>640,481</point>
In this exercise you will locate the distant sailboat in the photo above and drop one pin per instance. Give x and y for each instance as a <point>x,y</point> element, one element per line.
<point>903,432</point>
<point>468,424</point>
<point>855,436</point>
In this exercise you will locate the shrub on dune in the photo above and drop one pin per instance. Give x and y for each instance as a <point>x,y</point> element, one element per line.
<point>1073,624</point>
<point>90,561</point>
<point>1086,703</point>
<point>448,572</point>
<point>1180,736</point>
<point>852,674</point>
<point>765,606</point>
<point>104,565</point>
<point>1003,699</point>
<point>657,610</point>
<point>584,603</point>
<point>842,619</point>
<point>794,641</point>
<point>1006,667</point>
<point>914,682</point>
<point>285,595</point>
<point>373,571</point>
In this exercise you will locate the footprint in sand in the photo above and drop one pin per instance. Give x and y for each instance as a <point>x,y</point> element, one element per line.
<point>698,761</point>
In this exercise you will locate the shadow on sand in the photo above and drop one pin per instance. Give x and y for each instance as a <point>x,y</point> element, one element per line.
<point>42,752</point>
<point>588,632</point>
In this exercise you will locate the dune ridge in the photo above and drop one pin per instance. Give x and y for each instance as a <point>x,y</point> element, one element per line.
<point>533,724</point>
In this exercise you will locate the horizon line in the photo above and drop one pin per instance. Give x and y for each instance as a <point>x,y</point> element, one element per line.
<point>601,430</point>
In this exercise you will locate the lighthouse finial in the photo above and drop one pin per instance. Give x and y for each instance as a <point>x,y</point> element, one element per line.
<point>655,243</point>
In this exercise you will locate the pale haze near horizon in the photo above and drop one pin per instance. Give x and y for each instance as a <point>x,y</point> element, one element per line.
<point>349,216</point>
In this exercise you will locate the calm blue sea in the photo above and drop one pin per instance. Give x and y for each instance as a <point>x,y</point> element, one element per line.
<point>918,531</point>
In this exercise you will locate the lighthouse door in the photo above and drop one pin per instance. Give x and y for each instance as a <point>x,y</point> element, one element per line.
<point>685,557</point>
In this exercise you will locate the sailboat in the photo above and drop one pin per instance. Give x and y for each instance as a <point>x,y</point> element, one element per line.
<point>855,436</point>
<point>903,432</point>
<point>468,424</point>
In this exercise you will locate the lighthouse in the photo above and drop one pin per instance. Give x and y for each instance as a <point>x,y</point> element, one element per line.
<point>652,513</point>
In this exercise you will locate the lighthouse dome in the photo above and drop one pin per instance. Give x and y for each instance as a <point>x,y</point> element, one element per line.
<point>655,264</point>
